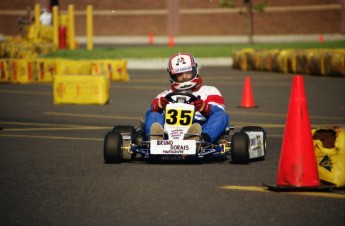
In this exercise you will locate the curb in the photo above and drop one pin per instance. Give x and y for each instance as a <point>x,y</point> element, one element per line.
<point>226,39</point>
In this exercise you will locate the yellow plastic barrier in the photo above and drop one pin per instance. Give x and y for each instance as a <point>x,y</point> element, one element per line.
<point>44,48</point>
<point>328,62</point>
<point>81,89</point>
<point>244,59</point>
<point>32,32</point>
<point>329,145</point>
<point>45,69</point>
<point>122,70</point>
<point>4,77</point>
<point>46,33</point>
<point>338,63</point>
<point>2,49</point>
<point>268,58</point>
<point>23,71</point>
<point>281,62</point>
<point>73,67</point>
<point>11,70</point>
<point>116,70</point>
<point>301,61</point>
<point>315,63</point>
<point>16,47</point>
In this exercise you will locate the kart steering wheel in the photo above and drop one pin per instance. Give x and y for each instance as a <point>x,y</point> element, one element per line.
<point>192,98</point>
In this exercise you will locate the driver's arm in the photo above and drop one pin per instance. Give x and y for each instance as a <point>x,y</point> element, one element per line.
<point>159,103</point>
<point>202,106</point>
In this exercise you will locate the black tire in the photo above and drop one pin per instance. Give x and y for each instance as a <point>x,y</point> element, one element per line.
<point>257,129</point>
<point>124,129</point>
<point>240,148</point>
<point>112,147</point>
<point>253,128</point>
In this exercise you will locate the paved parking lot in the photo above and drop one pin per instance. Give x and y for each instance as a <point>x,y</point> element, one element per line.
<point>52,170</point>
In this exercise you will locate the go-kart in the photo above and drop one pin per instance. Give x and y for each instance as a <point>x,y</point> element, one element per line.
<point>124,142</point>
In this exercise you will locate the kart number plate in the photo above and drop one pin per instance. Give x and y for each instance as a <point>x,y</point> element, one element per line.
<point>179,114</point>
<point>173,147</point>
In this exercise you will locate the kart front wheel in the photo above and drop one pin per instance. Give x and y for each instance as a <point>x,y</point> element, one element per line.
<point>112,147</point>
<point>240,148</point>
<point>124,129</point>
<point>129,131</point>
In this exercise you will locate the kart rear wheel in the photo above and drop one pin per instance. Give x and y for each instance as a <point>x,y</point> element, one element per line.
<point>257,129</point>
<point>252,128</point>
<point>112,147</point>
<point>240,148</point>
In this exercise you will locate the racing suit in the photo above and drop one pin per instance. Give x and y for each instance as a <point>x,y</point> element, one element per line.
<point>213,124</point>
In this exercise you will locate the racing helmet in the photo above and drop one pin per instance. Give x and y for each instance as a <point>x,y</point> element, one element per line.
<point>183,62</point>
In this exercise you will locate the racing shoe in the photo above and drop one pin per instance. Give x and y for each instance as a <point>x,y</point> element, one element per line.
<point>156,131</point>
<point>193,132</point>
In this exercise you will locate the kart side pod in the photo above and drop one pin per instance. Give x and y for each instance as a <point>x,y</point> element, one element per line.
<point>248,144</point>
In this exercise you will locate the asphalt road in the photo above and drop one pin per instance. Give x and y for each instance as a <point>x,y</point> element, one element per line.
<point>52,170</point>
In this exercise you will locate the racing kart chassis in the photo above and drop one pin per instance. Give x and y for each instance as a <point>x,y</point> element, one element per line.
<point>123,143</point>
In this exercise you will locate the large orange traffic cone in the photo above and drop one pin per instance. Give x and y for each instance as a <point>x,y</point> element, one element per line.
<point>247,95</point>
<point>297,166</point>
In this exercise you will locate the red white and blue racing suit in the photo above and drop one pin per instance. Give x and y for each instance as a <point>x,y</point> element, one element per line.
<point>214,123</point>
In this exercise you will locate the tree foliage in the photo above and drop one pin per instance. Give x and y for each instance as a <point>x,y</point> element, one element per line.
<point>260,7</point>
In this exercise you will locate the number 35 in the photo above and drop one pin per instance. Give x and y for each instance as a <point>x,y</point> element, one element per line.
<point>179,117</point>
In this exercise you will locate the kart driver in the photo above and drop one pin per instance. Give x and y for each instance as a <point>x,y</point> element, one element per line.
<point>210,118</point>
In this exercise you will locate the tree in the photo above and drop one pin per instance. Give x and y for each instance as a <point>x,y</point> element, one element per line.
<point>249,8</point>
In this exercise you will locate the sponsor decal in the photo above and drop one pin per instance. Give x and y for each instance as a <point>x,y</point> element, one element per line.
<point>174,148</point>
<point>252,141</point>
<point>255,141</point>
<point>185,86</point>
<point>327,163</point>
<point>165,147</point>
<point>183,69</point>
<point>180,60</point>
<point>176,134</point>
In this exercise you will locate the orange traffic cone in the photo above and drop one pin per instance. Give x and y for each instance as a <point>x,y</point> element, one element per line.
<point>247,95</point>
<point>171,41</point>
<point>297,166</point>
<point>151,38</point>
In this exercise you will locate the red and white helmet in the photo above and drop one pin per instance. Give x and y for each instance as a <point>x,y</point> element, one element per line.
<point>183,62</point>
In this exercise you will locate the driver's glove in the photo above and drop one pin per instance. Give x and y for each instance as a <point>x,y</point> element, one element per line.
<point>202,107</point>
<point>159,104</point>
